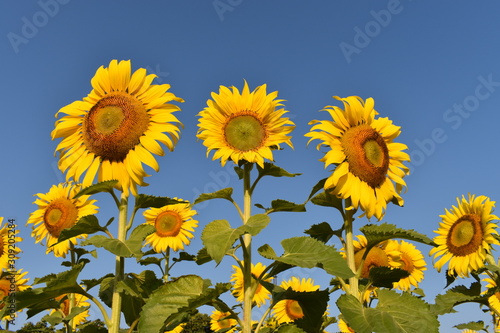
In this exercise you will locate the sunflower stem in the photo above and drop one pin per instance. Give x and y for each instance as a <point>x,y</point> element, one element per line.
<point>247,255</point>
<point>167,267</point>
<point>119,267</point>
<point>349,245</point>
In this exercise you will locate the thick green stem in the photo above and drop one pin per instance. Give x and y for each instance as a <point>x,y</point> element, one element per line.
<point>349,245</point>
<point>116,305</point>
<point>167,266</point>
<point>247,253</point>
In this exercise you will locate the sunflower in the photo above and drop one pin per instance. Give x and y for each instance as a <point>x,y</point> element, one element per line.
<point>288,310</point>
<point>174,226</point>
<point>465,235</point>
<point>79,301</point>
<point>343,327</point>
<point>8,244</point>
<point>178,329</point>
<point>244,127</point>
<point>220,321</point>
<point>376,257</point>
<point>406,256</point>
<point>113,130</point>
<point>11,285</point>
<point>369,165</point>
<point>493,300</point>
<point>59,210</point>
<point>261,293</point>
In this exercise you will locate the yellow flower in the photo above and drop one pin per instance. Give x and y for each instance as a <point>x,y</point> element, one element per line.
<point>288,310</point>
<point>220,321</point>
<point>79,301</point>
<point>178,329</point>
<point>404,255</point>
<point>493,300</point>
<point>174,226</point>
<point>369,165</point>
<point>11,285</point>
<point>59,210</point>
<point>113,130</point>
<point>377,257</point>
<point>8,244</point>
<point>244,127</point>
<point>465,235</point>
<point>261,294</point>
<point>343,327</point>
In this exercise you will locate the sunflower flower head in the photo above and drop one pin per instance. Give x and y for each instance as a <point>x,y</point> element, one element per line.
<point>222,321</point>
<point>8,244</point>
<point>465,235</point>
<point>289,310</point>
<point>261,294</point>
<point>406,256</point>
<point>174,226</point>
<point>78,301</point>
<point>369,164</point>
<point>244,126</point>
<point>343,327</point>
<point>58,210</point>
<point>117,128</point>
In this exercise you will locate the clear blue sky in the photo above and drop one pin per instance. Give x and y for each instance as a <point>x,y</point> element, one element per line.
<point>431,66</point>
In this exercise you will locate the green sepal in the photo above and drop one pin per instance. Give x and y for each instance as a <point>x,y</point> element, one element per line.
<point>106,186</point>
<point>151,201</point>
<point>395,313</point>
<point>225,193</point>
<point>308,252</point>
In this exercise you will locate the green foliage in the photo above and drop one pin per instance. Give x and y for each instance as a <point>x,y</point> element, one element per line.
<point>280,205</point>
<point>199,323</point>
<point>386,276</point>
<point>322,232</point>
<point>308,253</point>
<point>394,313</point>
<point>86,225</point>
<point>106,186</point>
<point>270,169</point>
<point>473,325</point>
<point>40,327</point>
<point>151,201</point>
<point>225,193</point>
<point>458,295</point>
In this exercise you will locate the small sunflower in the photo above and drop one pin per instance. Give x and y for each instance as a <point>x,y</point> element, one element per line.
<point>12,284</point>
<point>343,327</point>
<point>288,310</point>
<point>8,244</point>
<point>244,127</point>
<point>178,329</point>
<point>261,294</point>
<point>466,235</point>
<point>59,210</point>
<point>406,256</point>
<point>79,301</point>
<point>369,165</point>
<point>174,226</point>
<point>377,257</point>
<point>220,321</point>
<point>117,127</point>
<point>493,300</point>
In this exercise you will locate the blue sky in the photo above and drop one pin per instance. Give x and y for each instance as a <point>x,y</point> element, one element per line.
<point>432,67</point>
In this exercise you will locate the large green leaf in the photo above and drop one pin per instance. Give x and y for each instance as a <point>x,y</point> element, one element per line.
<point>376,233</point>
<point>386,276</point>
<point>225,193</point>
<point>106,186</point>
<point>255,224</point>
<point>151,201</point>
<point>395,313</point>
<point>270,169</point>
<point>473,325</point>
<point>86,225</point>
<point>458,295</point>
<point>290,328</point>
<point>322,232</point>
<point>308,252</point>
<point>326,199</point>
<point>167,300</point>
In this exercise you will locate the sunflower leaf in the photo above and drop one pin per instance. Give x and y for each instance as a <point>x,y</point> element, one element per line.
<point>85,226</point>
<point>218,237</point>
<point>255,224</point>
<point>322,232</point>
<point>275,171</point>
<point>473,325</point>
<point>167,300</point>
<point>377,233</point>
<point>394,313</point>
<point>91,283</point>
<point>225,193</point>
<point>134,242</point>
<point>319,186</point>
<point>115,246</point>
<point>308,252</point>
<point>106,186</point>
<point>327,200</point>
<point>150,201</point>
<point>280,205</point>
<point>202,257</point>
<point>458,295</point>
<point>290,328</point>
<point>386,276</point>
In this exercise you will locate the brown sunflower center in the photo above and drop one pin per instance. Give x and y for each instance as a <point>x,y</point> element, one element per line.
<point>244,132</point>
<point>114,126</point>
<point>168,224</point>
<point>375,258</point>
<point>465,235</point>
<point>59,215</point>
<point>293,309</point>
<point>367,154</point>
